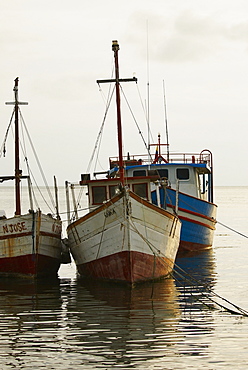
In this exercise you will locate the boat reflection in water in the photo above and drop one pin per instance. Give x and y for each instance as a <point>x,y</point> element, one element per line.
<point>155,322</point>
<point>27,297</point>
<point>116,324</point>
<point>198,265</point>
<point>73,322</point>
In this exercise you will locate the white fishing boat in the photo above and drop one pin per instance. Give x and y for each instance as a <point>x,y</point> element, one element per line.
<point>124,237</point>
<point>30,243</point>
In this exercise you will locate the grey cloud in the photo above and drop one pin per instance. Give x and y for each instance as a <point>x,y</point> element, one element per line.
<point>189,36</point>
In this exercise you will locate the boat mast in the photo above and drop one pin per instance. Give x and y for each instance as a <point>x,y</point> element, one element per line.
<point>115,48</point>
<point>17,158</point>
<point>117,80</point>
<point>18,171</point>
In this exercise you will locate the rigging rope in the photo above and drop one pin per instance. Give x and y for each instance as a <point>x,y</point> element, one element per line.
<point>228,227</point>
<point>98,139</point>
<point>38,163</point>
<point>3,148</point>
<point>209,294</point>
<point>23,148</point>
<point>140,132</point>
<point>145,113</point>
<point>96,146</point>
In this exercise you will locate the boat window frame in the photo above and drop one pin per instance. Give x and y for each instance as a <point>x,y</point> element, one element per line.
<point>93,194</point>
<point>185,169</point>
<point>163,169</point>
<point>110,188</point>
<point>144,173</point>
<point>146,189</point>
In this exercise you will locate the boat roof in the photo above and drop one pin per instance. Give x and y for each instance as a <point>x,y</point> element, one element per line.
<point>198,165</point>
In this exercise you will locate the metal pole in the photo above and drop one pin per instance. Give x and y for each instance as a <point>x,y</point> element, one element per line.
<point>74,201</point>
<point>56,197</point>
<point>67,202</point>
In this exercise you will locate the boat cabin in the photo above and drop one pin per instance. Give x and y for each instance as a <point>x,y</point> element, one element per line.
<point>101,190</point>
<point>192,179</point>
<point>187,173</point>
<point>190,173</point>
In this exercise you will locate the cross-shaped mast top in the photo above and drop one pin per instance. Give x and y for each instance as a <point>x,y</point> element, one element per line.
<point>18,171</point>
<point>117,80</point>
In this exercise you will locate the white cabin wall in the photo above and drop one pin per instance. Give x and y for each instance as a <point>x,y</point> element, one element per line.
<point>189,186</point>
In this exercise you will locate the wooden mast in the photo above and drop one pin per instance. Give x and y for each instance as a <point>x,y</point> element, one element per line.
<point>115,48</point>
<point>17,158</point>
<point>117,80</point>
<point>18,171</point>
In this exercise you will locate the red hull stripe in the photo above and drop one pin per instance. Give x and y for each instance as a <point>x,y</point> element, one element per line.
<point>32,265</point>
<point>193,213</point>
<point>197,222</point>
<point>11,236</point>
<point>127,267</point>
<point>197,215</point>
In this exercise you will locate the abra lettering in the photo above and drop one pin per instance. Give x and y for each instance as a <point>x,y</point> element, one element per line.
<point>109,212</point>
<point>11,228</point>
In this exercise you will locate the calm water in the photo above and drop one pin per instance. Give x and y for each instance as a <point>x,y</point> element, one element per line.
<point>69,323</point>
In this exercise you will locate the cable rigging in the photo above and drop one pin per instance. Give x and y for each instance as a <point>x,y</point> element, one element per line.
<point>24,151</point>
<point>200,295</point>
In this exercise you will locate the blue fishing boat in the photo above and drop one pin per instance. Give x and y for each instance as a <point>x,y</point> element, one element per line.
<point>184,187</point>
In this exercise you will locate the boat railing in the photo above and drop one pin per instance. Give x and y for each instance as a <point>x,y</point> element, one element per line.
<point>134,160</point>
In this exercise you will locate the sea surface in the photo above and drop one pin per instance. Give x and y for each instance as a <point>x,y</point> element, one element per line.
<point>70,323</point>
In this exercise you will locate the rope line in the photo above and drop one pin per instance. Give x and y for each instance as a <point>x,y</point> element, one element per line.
<point>23,148</point>
<point>96,146</point>
<point>228,227</point>
<point>3,148</point>
<point>136,123</point>
<point>177,270</point>
<point>38,162</point>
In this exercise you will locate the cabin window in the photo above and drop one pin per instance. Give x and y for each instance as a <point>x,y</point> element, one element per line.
<point>141,190</point>
<point>182,173</point>
<point>99,194</point>
<point>163,173</point>
<point>203,183</point>
<point>112,191</point>
<point>139,173</point>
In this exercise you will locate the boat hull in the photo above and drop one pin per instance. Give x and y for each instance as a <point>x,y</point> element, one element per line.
<point>128,267</point>
<point>127,239</point>
<point>198,219</point>
<point>30,245</point>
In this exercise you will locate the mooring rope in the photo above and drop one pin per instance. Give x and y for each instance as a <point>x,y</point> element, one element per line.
<point>186,277</point>
<point>190,279</point>
<point>235,231</point>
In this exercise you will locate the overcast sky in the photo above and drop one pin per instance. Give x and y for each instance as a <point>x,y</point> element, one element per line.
<point>60,48</point>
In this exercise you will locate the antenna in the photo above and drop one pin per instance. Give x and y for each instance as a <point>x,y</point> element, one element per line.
<point>148,85</point>
<point>166,125</point>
